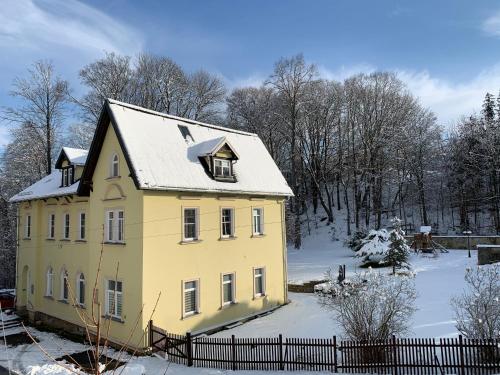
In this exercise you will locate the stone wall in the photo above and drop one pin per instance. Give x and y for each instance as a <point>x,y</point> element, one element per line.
<point>488,255</point>
<point>460,242</point>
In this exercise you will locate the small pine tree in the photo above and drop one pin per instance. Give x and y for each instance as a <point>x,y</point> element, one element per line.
<point>399,251</point>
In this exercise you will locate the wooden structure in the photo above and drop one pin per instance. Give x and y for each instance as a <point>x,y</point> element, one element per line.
<point>423,242</point>
<point>393,356</point>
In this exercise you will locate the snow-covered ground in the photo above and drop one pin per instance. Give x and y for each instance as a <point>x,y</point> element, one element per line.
<point>437,279</point>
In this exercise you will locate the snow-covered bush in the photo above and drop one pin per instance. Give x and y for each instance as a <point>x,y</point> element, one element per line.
<point>371,306</point>
<point>374,247</point>
<point>398,253</point>
<point>354,242</point>
<point>477,309</point>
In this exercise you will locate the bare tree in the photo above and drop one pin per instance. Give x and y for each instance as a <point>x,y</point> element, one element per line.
<point>477,309</point>
<point>206,93</point>
<point>43,96</point>
<point>371,306</point>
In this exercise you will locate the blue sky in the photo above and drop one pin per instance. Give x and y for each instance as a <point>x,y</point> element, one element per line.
<point>446,51</point>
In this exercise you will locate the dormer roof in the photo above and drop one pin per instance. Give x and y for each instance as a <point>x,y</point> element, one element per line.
<point>74,156</point>
<point>212,146</point>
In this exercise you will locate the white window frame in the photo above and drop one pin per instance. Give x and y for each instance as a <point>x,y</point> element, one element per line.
<point>114,167</point>
<point>261,229</point>
<point>66,226</point>
<point>263,276</point>
<point>114,228</point>
<point>27,226</point>
<point>196,224</point>
<point>116,293</point>
<point>51,226</point>
<point>70,176</point>
<point>64,285</point>
<point>65,177</point>
<point>233,288</point>
<point>197,298</point>
<point>222,167</point>
<point>222,235</point>
<point>80,227</point>
<point>49,282</point>
<point>80,278</point>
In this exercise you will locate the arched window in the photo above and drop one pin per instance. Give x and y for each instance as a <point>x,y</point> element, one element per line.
<point>64,285</point>
<point>115,166</point>
<point>80,289</point>
<point>49,283</point>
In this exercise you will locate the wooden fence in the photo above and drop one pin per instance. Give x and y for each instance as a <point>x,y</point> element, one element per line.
<point>394,356</point>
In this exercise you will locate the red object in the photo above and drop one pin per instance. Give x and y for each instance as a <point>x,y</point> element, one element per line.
<point>7,301</point>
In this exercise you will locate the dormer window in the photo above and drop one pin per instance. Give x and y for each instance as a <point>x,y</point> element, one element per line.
<point>222,168</point>
<point>67,176</point>
<point>115,166</point>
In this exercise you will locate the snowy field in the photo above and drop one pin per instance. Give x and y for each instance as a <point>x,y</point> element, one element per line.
<point>437,279</point>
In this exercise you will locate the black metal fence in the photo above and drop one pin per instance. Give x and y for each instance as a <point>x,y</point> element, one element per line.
<point>394,356</point>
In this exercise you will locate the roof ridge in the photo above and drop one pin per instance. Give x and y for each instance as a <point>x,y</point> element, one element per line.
<point>166,115</point>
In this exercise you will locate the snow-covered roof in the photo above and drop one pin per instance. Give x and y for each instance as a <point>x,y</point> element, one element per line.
<point>76,156</point>
<point>161,159</point>
<point>49,186</point>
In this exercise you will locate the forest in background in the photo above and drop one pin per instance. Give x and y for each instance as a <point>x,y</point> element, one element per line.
<point>362,150</point>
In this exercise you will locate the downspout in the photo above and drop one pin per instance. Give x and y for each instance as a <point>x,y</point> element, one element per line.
<point>284,250</point>
<point>17,253</point>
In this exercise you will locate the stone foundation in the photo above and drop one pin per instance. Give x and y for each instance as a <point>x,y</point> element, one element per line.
<point>488,254</point>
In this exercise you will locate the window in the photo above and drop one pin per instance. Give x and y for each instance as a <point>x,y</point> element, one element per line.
<point>52,226</point>
<point>65,177</point>
<point>80,289</point>
<point>49,283</point>
<point>115,166</point>
<point>70,176</point>
<point>114,298</point>
<point>222,168</point>
<point>27,227</point>
<point>227,222</point>
<point>257,221</point>
<point>191,297</point>
<point>259,282</point>
<point>64,285</point>
<point>115,224</point>
<point>186,134</point>
<point>190,224</point>
<point>66,226</point>
<point>228,289</point>
<point>81,232</point>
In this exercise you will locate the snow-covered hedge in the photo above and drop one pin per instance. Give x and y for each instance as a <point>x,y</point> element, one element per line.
<point>374,246</point>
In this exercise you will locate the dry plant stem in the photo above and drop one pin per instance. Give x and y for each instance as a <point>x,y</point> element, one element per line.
<point>46,353</point>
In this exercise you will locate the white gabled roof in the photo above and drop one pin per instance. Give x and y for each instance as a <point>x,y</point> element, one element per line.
<point>47,187</point>
<point>76,156</point>
<point>162,159</point>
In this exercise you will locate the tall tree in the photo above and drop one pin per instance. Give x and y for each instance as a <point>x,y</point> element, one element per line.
<point>43,97</point>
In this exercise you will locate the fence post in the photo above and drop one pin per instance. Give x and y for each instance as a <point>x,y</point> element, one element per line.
<point>280,340</point>
<point>335,364</point>
<point>394,355</point>
<point>233,352</point>
<point>150,331</point>
<point>462,359</point>
<point>189,349</point>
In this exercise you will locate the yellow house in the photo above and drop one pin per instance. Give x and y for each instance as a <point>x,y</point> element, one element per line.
<point>160,211</point>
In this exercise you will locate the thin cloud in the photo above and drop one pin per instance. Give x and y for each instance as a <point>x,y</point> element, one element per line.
<point>491,25</point>
<point>64,23</point>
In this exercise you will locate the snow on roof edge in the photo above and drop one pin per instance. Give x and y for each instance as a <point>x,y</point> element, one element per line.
<point>194,122</point>
<point>209,190</point>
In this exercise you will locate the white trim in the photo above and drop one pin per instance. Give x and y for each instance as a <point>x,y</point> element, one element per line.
<point>49,282</point>
<point>222,167</point>
<point>114,161</point>
<point>27,226</point>
<point>51,228</point>
<point>263,276</point>
<point>80,237</point>
<point>261,232</point>
<point>78,295</point>
<point>63,283</point>
<point>197,297</point>
<point>196,224</point>
<point>116,295</point>
<point>66,236</point>
<point>233,288</point>
<point>232,210</point>
<point>112,227</point>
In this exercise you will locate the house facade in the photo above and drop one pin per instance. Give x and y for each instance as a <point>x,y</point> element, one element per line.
<point>163,218</point>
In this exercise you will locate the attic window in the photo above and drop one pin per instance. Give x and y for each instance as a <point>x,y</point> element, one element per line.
<point>222,168</point>
<point>186,134</point>
<point>67,176</point>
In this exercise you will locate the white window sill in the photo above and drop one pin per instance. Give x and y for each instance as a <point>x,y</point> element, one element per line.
<point>259,296</point>
<point>257,235</point>
<point>189,242</point>
<point>27,238</point>
<point>110,178</point>
<point>227,305</point>
<point>114,243</point>
<point>113,318</point>
<point>228,238</point>
<point>190,315</point>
